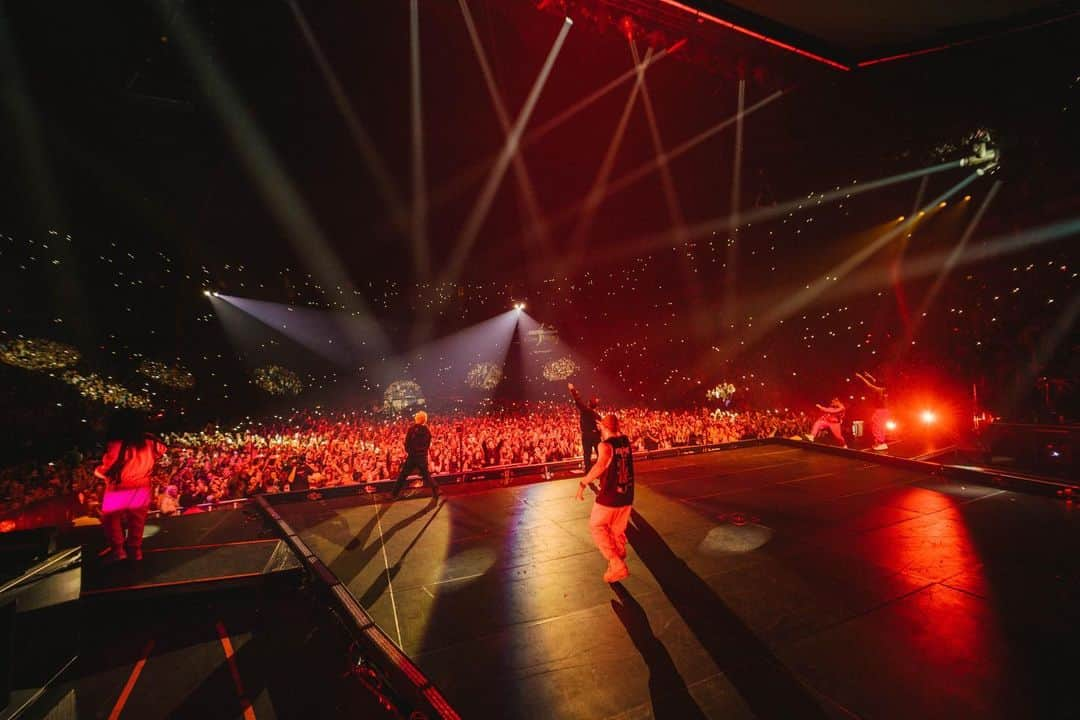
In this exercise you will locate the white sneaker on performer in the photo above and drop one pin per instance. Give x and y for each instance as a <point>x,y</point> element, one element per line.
<point>617,570</point>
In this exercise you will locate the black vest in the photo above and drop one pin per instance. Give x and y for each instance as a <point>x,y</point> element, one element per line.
<point>617,485</point>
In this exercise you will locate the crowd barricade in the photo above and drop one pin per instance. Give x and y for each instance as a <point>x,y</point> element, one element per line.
<point>503,475</point>
<point>230,504</point>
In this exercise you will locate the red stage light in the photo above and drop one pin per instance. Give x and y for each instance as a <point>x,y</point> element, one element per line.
<point>929,417</point>
<point>890,425</point>
<point>746,31</point>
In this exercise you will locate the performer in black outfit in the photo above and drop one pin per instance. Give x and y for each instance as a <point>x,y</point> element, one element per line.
<point>417,442</point>
<point>300,474</point>
<point>590,432</point>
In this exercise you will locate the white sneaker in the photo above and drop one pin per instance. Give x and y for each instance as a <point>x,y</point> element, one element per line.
<point>881,447</point>
<point>615,573</point>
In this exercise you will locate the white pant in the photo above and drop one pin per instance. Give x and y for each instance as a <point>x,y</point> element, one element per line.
<point>833,427</point>
<point>608,528</point>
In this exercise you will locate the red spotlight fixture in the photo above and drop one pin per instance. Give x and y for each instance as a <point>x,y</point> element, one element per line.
<point>928,417</point>
<point>890,425</point>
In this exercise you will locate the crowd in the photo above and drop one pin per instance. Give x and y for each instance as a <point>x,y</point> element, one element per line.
<point>214,465</point>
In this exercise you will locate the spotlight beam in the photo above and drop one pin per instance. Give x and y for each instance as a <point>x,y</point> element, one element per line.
<point>384,185</point>
<point>897,280</point>
<point>441,366</point>
<point>526,190</point>
<point>731,272</point>
<point>273,183</point>
<point>931,263</point>
<point>533,362</point>
<point>344,339</point>
<point>658,241</point>
<point>631,74</point>
<point>642,170</point>
<point>792,305</point>
<point>796,302</point>
<point>775,211</point>
<point>919,195</point>
<point>419,214</point>
<point>671,197</point>
<point>18,108</point>
<point>647,168</point>
<point>594,197</point>
<point>480,210</point>
<point>897,262</point>
<point>951,261</point>
<point>454,186</point>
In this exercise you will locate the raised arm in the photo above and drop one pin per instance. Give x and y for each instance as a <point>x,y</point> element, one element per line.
<point>577,397</point>
<point>869,383</point>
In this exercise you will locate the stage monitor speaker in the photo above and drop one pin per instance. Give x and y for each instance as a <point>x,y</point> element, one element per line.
<point>1052,450</point>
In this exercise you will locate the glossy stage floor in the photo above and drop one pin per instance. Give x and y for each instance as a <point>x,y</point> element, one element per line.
<point>770,581</point>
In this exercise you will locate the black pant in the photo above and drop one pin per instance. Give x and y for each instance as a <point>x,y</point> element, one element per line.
<point>416,463</point>
<point>588,445</point>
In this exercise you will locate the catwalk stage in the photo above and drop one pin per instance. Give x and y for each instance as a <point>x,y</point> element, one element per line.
<point>770,581</point>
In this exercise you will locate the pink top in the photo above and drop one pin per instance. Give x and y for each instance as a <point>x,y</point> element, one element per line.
<point>138,462</point>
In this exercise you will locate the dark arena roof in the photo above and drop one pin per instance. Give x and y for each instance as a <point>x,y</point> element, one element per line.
<point>859,34</point>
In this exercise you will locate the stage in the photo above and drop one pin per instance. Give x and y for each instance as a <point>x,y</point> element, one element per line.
<point>213,623</point>
<point>771,581</point>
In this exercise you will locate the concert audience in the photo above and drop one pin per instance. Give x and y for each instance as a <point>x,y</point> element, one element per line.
<point>214,465</point>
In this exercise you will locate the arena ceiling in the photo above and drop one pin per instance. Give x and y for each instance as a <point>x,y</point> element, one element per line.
<point>856,33</point>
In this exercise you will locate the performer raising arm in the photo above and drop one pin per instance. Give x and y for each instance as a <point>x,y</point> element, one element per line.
<point>881,410</point>
<point>590,435</point>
